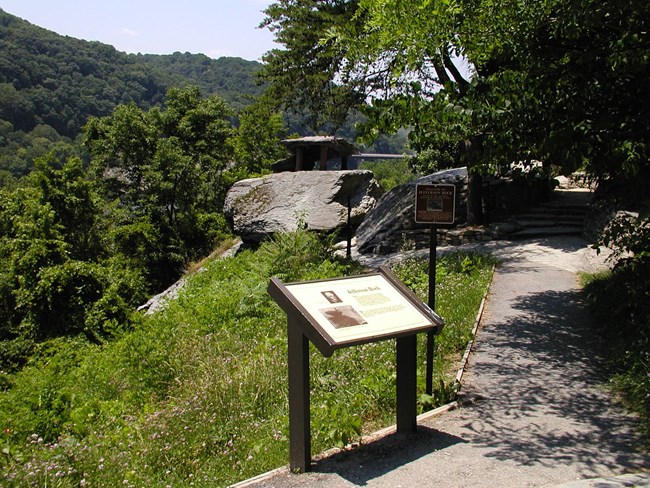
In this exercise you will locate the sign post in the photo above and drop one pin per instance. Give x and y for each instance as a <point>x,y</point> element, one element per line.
<point>434,204</point>
<point>299,402</point>
<point>344,312</point>
<point>431,340</point>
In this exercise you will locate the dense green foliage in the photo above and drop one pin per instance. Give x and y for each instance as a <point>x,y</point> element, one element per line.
<point>166,173</point>
<point>391,173</point>
<point>303,73</point>
<point>197,393</point>
<point>256,146</point>
<point>81,249</point>
<point>58,81</point>
<point>233,79</point>
<point>621,301</point>
<point>57,277</point>
<point>562,82</point>
<point>50,85</point>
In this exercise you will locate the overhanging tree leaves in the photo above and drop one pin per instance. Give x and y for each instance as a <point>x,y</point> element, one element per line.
<point>305,75</point>
<point>375,51</point>
<point>557,81</point>
<point>590,69</point>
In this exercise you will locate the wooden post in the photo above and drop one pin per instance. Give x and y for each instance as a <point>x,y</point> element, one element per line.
<point>299,416</point>
<point>302,304</point>
<point>344,163</point>
<point>348,253</point>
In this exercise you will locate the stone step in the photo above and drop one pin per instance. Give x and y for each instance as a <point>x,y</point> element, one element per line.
<point>548,222</point>
<point>543,212</point>
<point>546,232</point>
<point>564,214</point>
<point>571,207</point>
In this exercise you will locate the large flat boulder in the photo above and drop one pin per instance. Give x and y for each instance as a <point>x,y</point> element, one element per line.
<point>281,202</point>
<point>383,229</point>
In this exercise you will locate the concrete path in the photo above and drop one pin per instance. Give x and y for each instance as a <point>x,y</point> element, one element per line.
<point>533,410</point>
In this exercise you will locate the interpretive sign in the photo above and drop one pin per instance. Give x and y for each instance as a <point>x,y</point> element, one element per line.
<point>435,204</point>
<point>344,312</point>
<point>348,311</point>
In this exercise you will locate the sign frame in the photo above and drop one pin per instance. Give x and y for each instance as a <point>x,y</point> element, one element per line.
<point>435,204</point>
<point>312,315</point>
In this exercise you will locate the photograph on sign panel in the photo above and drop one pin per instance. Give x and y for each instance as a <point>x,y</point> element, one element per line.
<point>434,204</point>
<point>331,297</point>
<point>344,316</point>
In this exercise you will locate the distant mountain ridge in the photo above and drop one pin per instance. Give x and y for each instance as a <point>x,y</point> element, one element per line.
<point>49,81</point>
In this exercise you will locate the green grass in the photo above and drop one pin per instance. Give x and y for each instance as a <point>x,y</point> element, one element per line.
<point>461,282</point>
<point>196,395</point>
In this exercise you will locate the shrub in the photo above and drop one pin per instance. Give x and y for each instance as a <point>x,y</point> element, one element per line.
<point>620,299</point>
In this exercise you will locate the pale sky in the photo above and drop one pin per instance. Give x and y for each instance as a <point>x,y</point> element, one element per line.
<point>213,27</point>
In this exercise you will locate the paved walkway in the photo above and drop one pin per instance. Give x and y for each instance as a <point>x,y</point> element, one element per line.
<point>533,410</point>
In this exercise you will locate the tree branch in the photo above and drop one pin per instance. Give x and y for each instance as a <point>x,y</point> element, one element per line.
<point>438,65</point>
<point>449,64</point>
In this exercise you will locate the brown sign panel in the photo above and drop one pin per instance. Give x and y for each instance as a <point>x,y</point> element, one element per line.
<point>435,204</point>
<point>347,311</point>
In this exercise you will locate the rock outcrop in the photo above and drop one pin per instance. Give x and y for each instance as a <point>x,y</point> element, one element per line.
<point>394,215</point>
<point>318,200</point>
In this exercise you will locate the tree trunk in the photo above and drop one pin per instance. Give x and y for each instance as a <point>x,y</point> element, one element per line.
<point>473,152</point>
<point>439,66</point>
<point>474,197</point>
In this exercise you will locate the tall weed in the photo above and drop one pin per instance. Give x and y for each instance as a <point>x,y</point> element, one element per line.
<point>620,300</point>
<point>461,281</point>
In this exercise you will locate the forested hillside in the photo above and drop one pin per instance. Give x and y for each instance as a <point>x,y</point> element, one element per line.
<point>51,84</point>
<point>230,78</point>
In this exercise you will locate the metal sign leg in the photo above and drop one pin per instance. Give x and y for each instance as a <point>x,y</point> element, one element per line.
<point>406,384</point>
<point>299,418</point>
<point>433,254</point>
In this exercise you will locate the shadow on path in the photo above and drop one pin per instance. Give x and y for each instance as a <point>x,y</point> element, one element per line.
<point>538,396</point>
<point>377,458</point>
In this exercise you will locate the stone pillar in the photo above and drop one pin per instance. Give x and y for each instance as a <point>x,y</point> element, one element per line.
<point>323,158</point>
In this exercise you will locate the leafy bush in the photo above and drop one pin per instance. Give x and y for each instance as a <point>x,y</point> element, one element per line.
<point>620,299</point>
<point>56,278</point>
<point>629,237</point>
